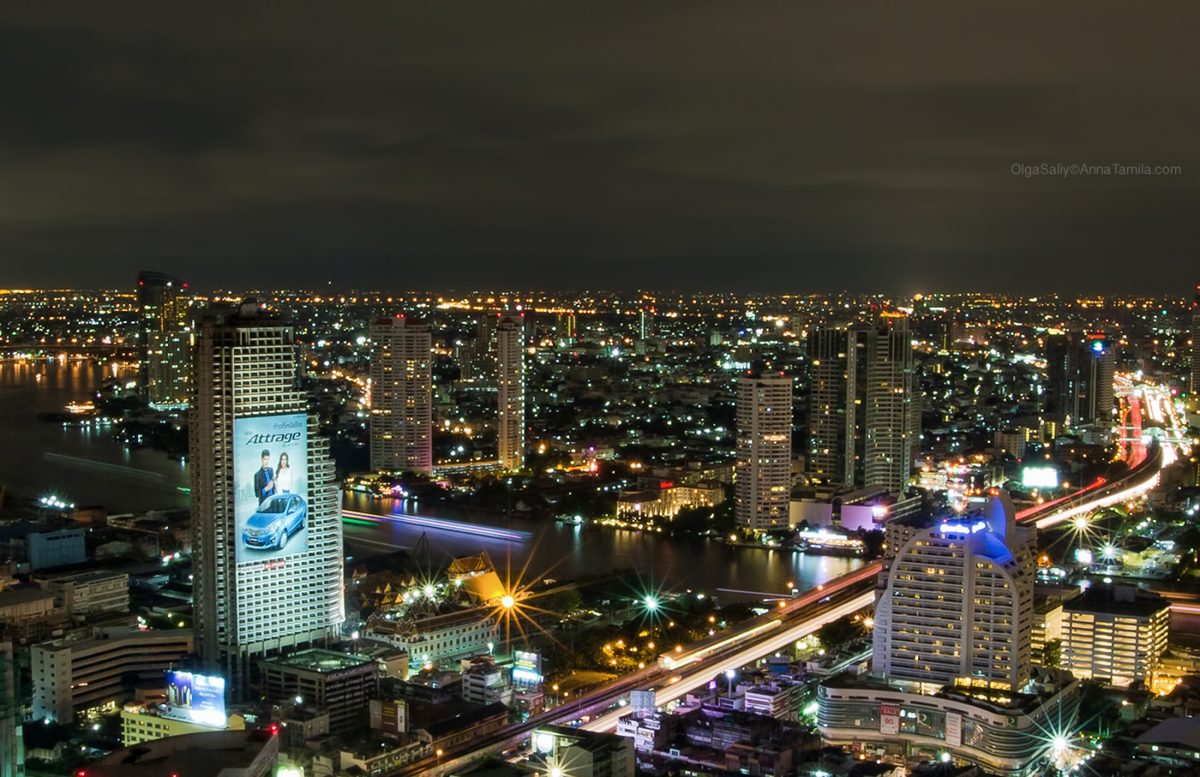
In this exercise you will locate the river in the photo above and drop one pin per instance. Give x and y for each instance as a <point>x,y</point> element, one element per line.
<point>86,466</point>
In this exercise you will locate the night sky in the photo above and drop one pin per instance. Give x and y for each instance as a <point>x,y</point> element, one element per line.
<point>804,146</point>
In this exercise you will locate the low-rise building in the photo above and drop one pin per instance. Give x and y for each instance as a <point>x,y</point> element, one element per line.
<point>88,592</point>
<point>339,683</point>
<point>582,753</point>
<point>211,754</point>
<point>485,682</point>
<point>440,638</point>
<point>1001,732</point>
<point>145,722</point>
<point>100,670</point>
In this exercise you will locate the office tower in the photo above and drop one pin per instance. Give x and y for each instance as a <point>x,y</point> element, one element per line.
<point>510,383</point>
<point>1115,634</point>
<point>764,450</point>
<point>267,533</point>
<point>401,396</point>
<point>165,333</point>
<point>893,408</point>
<point>1194,383</point>
<point>958,602</point>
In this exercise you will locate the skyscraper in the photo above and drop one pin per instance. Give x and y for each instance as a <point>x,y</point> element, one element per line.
<point>958,602</point>
<point>164,338</point>
<point>401,396</point>
<point>1079,379</point>
<point>267,537</point>
<point>764,450</point>
<point>1099,366</point>
<point>893,408</point>
<point>510,384</point>
<point>830,455</point>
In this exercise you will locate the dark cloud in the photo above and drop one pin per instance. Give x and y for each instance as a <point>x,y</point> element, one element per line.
<point>804,145</point>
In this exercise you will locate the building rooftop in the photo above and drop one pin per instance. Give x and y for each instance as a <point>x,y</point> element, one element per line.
<point>318,660</point>
<point>1174,732</point>
<point>1117,599</point>
<point>196,755</point>
<point>466,719</point>
<point>984,698</point>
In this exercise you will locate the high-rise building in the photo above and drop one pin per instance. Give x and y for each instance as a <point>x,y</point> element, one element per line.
<point>401,396</point>
<point>1194,383</point>
<point>1079,379</point>
<point>893,408</point>
<point>762,484</point>
<point>510,384</point>
<point>831,429</point>
<point>864,411</point>
<point>1115,634</point>
<point>165,334</point>
<point>1099,364</point>
<point>958,603</point>
<point>267,533</point>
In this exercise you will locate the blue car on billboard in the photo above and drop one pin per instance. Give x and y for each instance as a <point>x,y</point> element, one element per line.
<point>276,520</point>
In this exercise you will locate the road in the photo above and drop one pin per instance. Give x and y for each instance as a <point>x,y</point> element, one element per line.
<point>835,599</point>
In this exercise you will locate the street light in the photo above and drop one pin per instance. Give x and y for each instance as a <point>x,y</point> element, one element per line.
<point>729,675</point>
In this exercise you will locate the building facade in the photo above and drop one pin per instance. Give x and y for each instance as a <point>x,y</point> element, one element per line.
<point>89,592</point>
<point>893,407</point>
<point>510,387</point>
<point>763,481</point>
<point>830,455</point>
<point>958,603</point>
<point>1116,634</point>
<point>401,396</point>
<point>70,675</point>
<point>253,600</point>
<point>338,683</point>
<point>1001,732</point>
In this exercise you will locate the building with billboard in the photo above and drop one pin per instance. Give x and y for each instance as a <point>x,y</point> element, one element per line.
<point>193,703</point>
<point>267,534</point>
<point>401,396</point>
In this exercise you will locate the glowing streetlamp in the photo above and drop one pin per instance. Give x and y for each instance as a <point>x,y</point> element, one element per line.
<point>729,675</point>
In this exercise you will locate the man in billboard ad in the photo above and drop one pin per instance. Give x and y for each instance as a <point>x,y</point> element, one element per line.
<point>270,499</point>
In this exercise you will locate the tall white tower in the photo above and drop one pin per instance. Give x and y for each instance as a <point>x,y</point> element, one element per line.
<point>401,396</point>
<point>510,383</point>
<point>958,602</point>
<point>267,533</point>
<point>764,450</point>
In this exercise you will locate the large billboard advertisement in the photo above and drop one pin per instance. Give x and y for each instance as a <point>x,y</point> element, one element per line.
<point>270,493</point>
<point>199,698</point>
